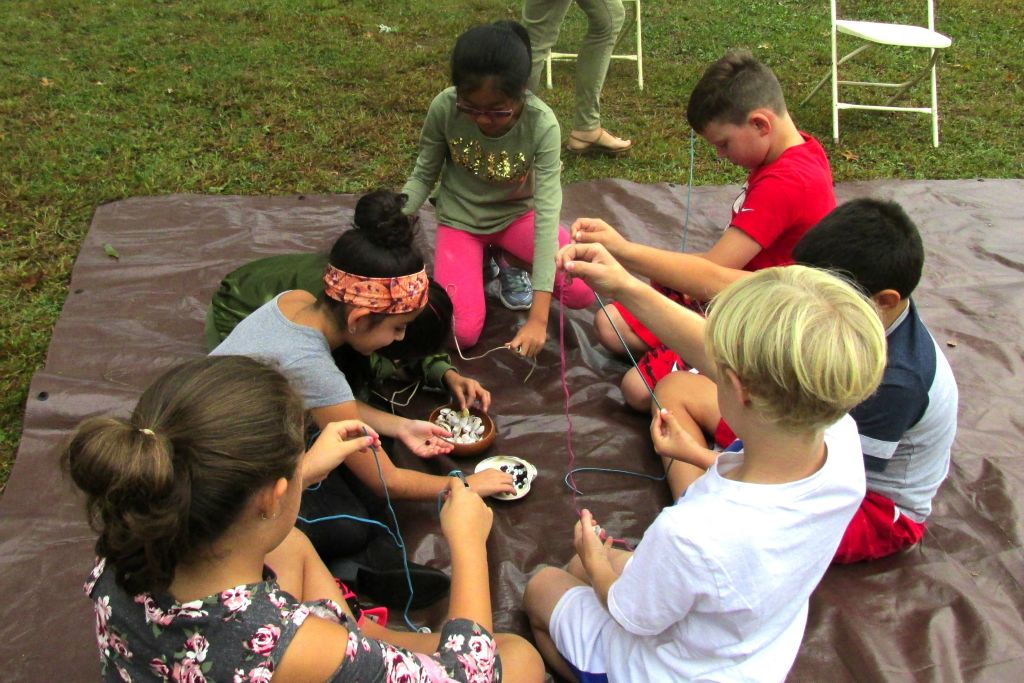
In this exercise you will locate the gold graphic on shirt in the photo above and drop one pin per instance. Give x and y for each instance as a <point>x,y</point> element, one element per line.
<point>488,166</point>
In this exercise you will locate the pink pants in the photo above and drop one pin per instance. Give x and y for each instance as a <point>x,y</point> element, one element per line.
<point>458,267</point>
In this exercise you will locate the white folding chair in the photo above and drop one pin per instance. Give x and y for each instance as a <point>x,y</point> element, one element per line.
<point>637,57</point>
<point>877,33</point>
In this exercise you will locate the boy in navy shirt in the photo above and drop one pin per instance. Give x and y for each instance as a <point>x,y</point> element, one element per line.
<point>906,427</point>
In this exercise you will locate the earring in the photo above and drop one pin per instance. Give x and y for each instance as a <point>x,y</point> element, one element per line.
<point>265,518</point>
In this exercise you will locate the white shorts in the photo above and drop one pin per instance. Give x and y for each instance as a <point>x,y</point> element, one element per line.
<point>579,628</point>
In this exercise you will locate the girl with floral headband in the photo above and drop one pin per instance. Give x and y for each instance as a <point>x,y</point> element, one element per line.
<point>374,286</point>
<point>201,574</point>
<point>496,148</point>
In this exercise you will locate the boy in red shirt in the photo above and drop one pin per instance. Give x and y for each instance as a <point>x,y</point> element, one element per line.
<point>738,107</point>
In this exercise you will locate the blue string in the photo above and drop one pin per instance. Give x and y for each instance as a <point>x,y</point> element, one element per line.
<point>632,359</point>
<point>442,492</point>
<point>608,470</point>
<point>650,389</point>
<point>396,535</point>
<point>689,190</point>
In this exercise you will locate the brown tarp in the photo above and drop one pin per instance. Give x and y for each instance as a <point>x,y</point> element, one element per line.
<point>950,609</point>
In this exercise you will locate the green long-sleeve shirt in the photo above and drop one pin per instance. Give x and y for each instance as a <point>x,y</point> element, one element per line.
<point>486,183</point>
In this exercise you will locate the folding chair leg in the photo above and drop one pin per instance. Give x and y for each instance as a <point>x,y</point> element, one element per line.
<point>639,49</point>
<point>827,76</point>
<point>835,83</point>
<point>935,101</point>
<point>904,87</point>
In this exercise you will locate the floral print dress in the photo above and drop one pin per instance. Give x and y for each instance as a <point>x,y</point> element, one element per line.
<point>240,635</point>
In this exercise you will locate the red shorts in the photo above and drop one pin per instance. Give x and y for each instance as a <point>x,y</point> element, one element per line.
<point>877,531</point>
<point>724,436</point>
<point>660,360</point>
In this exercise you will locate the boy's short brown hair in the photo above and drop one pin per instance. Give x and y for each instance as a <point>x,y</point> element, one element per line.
<point>807,345</point>
<point>731,88</point>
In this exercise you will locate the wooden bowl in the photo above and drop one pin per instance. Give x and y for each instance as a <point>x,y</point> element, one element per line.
<point>468,450</point>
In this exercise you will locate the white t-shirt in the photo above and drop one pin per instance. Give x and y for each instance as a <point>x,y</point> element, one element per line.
<point>719,586</point>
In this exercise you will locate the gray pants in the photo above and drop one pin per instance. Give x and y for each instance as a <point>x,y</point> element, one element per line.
<point>543,20</point>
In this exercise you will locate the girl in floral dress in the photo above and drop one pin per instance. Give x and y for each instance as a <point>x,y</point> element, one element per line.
<point>201,575</point>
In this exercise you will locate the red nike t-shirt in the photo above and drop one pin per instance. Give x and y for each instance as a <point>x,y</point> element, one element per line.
<point>783,200</point>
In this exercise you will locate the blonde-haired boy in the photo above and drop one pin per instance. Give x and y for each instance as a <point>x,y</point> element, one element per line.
<point>718,588</point>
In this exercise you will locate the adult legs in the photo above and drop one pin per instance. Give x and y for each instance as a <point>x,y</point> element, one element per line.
<point>542,20</point>
<point>604,21</point>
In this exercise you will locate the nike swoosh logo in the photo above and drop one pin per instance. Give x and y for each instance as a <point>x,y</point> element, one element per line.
<point>742,210</point>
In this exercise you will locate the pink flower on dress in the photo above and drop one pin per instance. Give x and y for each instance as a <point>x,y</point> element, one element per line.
<point>400,667</point>
<point>300,614</point>
<point>352,647</point>
<point>125,676</point>
<point>261,674</point>
<point>328,610</point>
<point>239,676</point>
<point>236,599</point>
<point>154,615</point>
<point>455,642</point>
<point>263,642</point>
<point>118,645</point>
<point>187,610</point>
<point>478,662</point>
<point>159,668</point>
<point>94,575</point>
<point>276,600</point>
<point>482,647</point>
<point>102,609</point>
<point>196,647</point>
<point>187,671</point>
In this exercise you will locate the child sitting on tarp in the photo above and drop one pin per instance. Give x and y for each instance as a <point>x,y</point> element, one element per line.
<point>417,357</point>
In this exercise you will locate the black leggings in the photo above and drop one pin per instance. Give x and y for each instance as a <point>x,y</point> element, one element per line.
<point>341,493</point>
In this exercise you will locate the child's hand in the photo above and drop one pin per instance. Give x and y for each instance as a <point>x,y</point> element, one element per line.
<point>672,441</point>
<point>529,340</point>
<point>337,441</point>
<point>467,391</point>
<point>595,230</point>
<point>465,516</point>
<point>589,546</point>
<point>595,266</point>
<point>490,481</point>
<point>424,439</point>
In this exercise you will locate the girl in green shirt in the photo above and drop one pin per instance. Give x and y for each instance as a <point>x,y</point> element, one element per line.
<point>495,147</point>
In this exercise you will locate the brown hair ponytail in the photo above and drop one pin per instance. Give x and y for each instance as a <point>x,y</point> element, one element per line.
<point>167,483</point>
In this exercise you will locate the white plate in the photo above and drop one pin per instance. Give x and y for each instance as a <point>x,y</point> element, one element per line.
<point>495,463</point>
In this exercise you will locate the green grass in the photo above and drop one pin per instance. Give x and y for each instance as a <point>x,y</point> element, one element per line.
<point>101,100</point>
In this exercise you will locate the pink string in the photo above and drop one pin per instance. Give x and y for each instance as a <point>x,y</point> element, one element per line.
<point>565,390</point>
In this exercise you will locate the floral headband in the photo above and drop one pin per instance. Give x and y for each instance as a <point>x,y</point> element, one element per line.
<point>391,295</point>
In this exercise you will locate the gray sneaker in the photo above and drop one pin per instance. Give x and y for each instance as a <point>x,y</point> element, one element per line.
<point>491,269</point>
<point>515,290</point>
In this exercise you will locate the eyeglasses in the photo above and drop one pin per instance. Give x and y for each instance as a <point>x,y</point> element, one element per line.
<point>492,114</point>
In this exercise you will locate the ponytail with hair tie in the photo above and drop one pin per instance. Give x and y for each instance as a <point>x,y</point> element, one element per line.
<point>228,425</point>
